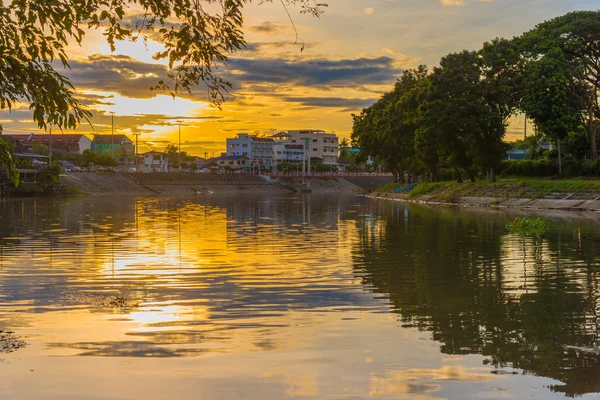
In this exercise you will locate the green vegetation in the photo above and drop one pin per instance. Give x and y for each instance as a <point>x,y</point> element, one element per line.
<point>454,118</point>
<point>527,227</point>
<point>7,160</point>
<point>505,189</point>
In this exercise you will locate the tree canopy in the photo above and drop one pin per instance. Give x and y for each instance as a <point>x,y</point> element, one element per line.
<point>454,118</point>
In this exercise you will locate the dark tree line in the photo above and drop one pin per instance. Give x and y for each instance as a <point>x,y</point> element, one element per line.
<point>454,118</point>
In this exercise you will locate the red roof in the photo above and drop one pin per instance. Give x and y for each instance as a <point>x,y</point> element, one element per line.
<point>45,138</point>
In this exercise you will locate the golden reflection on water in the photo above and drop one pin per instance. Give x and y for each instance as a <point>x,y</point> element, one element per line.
<point>265,298</point>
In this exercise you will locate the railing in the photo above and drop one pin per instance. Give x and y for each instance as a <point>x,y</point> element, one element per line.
<point>332,174</point>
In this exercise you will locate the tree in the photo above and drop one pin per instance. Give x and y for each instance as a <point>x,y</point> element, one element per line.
<point>577,35</point>
<point>197,37</point>
<point>7,160</point>
<point>550,97</point>
<point>88,157</point>
<point>343,147</point>
<point>39,148</point>
<point>386,130</point>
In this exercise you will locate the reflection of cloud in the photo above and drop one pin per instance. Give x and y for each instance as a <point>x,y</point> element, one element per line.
<point>405,383</point>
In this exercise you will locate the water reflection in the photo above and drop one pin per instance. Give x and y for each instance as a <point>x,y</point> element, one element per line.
<point>530,304</point>
<point>296,297</point>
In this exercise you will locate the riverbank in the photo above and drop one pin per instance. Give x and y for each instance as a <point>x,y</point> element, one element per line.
<point>540,194</point>
<point>192,183</point>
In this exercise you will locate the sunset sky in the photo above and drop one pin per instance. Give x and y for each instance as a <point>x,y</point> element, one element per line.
<point>352,54</point>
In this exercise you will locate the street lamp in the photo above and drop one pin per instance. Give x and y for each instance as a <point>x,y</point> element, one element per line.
<point>112,136</point>
<point>179,123</point>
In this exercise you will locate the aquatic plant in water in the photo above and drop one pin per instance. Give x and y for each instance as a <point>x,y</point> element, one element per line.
<point>527,227</point>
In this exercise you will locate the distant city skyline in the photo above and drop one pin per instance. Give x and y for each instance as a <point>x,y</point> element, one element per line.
<point>351,55</point>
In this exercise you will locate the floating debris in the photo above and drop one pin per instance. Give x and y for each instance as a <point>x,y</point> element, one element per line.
<point>101,301</point>
<point>9,342</point>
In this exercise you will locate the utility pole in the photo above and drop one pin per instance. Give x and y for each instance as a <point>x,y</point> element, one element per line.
<point>179,123</point>
<point>137,134</point>
<point>525,135</point>
<point>273,129</point>
<point>205,158</point>
<point>112,136</point>
<point>50,148</point>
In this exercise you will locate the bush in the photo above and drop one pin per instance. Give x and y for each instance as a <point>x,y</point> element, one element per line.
<point>529,168</point>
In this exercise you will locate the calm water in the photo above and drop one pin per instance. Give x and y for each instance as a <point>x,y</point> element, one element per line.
<point>293,298</point>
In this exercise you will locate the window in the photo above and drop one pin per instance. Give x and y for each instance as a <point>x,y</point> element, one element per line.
<point>245,145</point>
<point>314,140</point>
<point>314,149</point>
<point>232,145</point>
<point>279,152</point>
<point>294,141</point>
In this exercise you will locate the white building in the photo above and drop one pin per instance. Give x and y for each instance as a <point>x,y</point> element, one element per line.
<point>155,161</point>
<point>286,152</point>
<point>322,147</point>
<point>258,150</point>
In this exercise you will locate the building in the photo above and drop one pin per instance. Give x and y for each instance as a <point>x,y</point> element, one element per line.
<point>155,161</point>
<point>234,162</point>
<point>60,143</point>
<point>322,147</point>
<point>516,154</point>
<point>258,150</point>
<point>117,146</point>
<point>286,152</point>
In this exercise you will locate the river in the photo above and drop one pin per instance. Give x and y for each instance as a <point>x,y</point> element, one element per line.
<point>293,297</point>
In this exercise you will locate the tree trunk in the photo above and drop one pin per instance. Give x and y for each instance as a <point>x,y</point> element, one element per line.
<point>559,159</point>
<point>593,142</point>
<point>458,175</point>
<point>492,174</point>
<point>592,128</point>
<point>471,175</point>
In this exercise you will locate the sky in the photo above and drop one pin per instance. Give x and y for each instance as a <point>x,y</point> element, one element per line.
<point>352,54</point>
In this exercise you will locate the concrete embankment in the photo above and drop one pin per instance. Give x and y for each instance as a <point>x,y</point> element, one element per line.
<point>189,183</point>
<point>521,195</point>
<point>103,182</point>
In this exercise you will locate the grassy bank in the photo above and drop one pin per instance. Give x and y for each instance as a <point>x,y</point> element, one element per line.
<point>504,189</point>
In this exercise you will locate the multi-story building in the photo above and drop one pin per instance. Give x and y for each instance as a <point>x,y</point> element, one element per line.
<point>322,147</point>
<point>286,152</point>
<point>258,150</point>
<point>117,146</point>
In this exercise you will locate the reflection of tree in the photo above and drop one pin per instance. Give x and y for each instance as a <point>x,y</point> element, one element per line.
<point>447,272</point>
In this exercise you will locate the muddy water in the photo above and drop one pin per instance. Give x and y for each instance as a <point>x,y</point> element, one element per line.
<point>292,298</point>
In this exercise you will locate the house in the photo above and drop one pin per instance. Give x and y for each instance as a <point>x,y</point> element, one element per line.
<point>258,150</point>
<point>516,154</point>
<point>116,146</point>
<point>154,161</point>
<point>234,162</point>
<point>60,143</point>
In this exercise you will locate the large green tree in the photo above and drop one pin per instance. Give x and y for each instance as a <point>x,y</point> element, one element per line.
<point>550,96</point>
<point>577,35</point>
<point>386,130</point>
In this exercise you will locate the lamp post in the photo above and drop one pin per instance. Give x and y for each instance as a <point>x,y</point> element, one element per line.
<point>50,148</point>
<point>137,134</point>
<point>112,136</point>
<point>179,152</point>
